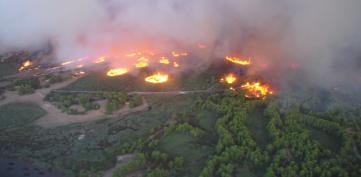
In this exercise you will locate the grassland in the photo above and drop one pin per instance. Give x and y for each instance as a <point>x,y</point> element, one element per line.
<point>97,81</point>
<point>19,114</point>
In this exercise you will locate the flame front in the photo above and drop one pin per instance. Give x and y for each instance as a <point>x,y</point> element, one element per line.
<point>179,54</point>
<point>257,90</point>
<point>142,62</point>
<point>239,61</point>
<point>99,60</point>
<point>117,72</point>
<point>157,78</point>
<point>176,65</point>
<point>229,78</point>
<point>164,60</point>
<point>26,64</point>
<point>66,63</point>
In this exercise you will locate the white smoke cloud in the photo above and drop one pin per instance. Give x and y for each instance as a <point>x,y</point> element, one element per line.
<point>316,34</point>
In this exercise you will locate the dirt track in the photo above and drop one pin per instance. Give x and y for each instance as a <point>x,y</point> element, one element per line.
<point>54,116</point>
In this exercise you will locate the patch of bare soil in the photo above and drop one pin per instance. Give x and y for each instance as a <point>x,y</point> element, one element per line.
<point>56,117</point>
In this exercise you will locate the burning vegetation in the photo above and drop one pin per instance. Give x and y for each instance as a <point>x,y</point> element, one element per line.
<point>117,72</point>
<point>256,90</point>
<point>157,78</point>
<point>229,78</point>
<point>99,60</point>
<point>164,60</point>
<point>239,61</point>
<point>25,65</point>
<point>172,59</point>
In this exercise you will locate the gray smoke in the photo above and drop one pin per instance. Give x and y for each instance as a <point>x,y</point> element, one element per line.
<point>320,36</point>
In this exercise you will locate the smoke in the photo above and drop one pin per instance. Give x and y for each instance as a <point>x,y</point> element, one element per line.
<point>322,37</point>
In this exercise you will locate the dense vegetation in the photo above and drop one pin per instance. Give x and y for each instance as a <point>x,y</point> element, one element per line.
<point>291,149</point>
<point>211,134</point>
<point>27,85</point>
<point>19,114</point>
<point>91,101</point>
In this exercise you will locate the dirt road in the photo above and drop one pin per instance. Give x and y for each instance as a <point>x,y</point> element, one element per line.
<point>56,117</point>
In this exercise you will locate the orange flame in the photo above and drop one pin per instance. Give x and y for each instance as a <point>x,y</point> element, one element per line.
<point>179,54</point>
<point>142,62</point>
<point>66,63</point>
<point>99,60</point>
<point>133,54</point>
<point>239,60</point>
<point>80,73</point>
<point>26,64</point>
<point>176,65</point>
<point>83,58</point>
<point>157,78</point>
<point>229,78</point>
<point>164,60</point>
<point>257,90</point>
<point>117,72</point>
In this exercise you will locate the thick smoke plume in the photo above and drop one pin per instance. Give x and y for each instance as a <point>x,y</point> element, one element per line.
<point>322,37</point>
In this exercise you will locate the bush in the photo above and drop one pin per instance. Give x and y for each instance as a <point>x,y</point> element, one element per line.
<point>131,166</point>
<point>52,79</point>
<point>158,172</point>
<point>27,86</point>
<point>24,89</point>
<point>135,101</point>
<point>111,106</point>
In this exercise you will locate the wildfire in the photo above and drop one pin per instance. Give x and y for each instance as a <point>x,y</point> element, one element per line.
<point>26,64</point>
<point>239,60</point>
<point>80,73</point>
<point>133,54</point>
<point>117,72</point>
<point>99,60</point>
<point>176,65</point>
<point>229,78</point>
<point>157,78</point>
<point>179,54</point>
<point>66,63</point>
<point>83,58</point>
<point>164,60</point>
<point>257,90</point>
<point>142,62</point>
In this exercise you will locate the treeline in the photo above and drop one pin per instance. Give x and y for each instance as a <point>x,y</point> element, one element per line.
<point>150,160</point>
<point>114,101</point>
<point>235,144</point>
<point>292,152</point>
<point>27,85</point>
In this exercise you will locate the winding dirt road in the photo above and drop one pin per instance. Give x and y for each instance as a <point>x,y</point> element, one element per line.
<point>56,117</point>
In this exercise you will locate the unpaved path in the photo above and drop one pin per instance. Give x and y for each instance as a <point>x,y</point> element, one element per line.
<point>56,117</point>
<point>36,97</point>
<point>177,92</point>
